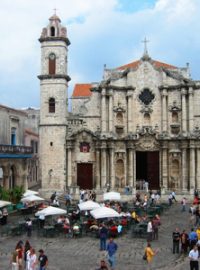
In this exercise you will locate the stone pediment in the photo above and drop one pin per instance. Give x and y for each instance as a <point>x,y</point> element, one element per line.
<point>84,132</point>
<point>147,143</point>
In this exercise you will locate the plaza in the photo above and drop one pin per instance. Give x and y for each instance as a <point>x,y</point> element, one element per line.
<point>83,253</point>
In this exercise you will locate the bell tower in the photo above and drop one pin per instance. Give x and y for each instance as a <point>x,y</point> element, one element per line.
<point>53,105</point>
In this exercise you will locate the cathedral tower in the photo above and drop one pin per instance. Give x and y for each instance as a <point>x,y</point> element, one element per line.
<point>53,105</point>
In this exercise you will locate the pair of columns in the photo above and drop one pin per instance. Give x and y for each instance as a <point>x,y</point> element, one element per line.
<point>184,110</point>
<point>190,167</point>
<point>104,119</point>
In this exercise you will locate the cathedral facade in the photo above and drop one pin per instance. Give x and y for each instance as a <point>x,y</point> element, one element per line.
<point>141,122</point>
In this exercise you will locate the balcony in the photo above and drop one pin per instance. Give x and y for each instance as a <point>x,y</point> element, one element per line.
<point>15,151</point>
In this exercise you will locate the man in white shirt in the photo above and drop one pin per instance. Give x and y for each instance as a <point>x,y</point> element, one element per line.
<point>149,231</point>
<point>194,256</point>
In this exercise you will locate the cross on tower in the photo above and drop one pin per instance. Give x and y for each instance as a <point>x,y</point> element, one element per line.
<point>55,10</point>
<point>145,41</point>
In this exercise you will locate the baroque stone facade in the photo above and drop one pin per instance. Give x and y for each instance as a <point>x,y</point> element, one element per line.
<point>142,121</point>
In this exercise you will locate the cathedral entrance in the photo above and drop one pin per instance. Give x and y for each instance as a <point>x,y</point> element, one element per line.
<point>147,168</point>
<point>85,175</point>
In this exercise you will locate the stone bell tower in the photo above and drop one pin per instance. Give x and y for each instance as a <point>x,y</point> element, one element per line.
<point>53,105</point>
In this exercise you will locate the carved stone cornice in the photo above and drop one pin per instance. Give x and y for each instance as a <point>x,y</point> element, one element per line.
<point>174,107</point>
<point>55,76</point>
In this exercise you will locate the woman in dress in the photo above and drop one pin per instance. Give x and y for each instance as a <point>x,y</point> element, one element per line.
<point>31,260</point>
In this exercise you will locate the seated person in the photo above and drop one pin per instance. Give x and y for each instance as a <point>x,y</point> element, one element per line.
<point>113,230</point>
<point>124,222</point>
<point>66,220</point>
<point>60,220</point>
<point>119,229</point>
<point>56,202</point>
<point>76,228</point>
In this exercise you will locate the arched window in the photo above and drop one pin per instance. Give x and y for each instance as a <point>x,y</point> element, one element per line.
<point>52,31</point>
<point>52,104</point>
<point>13,136</point>
<point>119,117</point>
<point>52,64</point>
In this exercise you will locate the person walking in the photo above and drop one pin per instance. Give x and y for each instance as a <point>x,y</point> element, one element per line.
<point>194,256</point>
<point>184,242</point>
<point>43,260</point>
<point>112,249</point>
<point>176,240</point>
<point>103,234</point>
<point>149,255</point>
<point>193,238</point>
<point>29,227</point>
<point>183,202</point>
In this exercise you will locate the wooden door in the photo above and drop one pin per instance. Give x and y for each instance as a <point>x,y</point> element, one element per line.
<point>85,176</point>
<point>153,170</point>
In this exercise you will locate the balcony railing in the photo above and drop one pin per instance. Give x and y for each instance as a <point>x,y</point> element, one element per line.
<point>15,149</point>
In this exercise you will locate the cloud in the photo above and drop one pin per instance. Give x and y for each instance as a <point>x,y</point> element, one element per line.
<point>101,32</point>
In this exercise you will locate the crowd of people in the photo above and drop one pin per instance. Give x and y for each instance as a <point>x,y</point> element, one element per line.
<point>25,257</point>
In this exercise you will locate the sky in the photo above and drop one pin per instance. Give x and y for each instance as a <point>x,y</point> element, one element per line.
<point>101,32</point>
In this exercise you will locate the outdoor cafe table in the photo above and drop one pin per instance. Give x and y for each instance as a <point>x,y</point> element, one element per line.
<point>48,231</point>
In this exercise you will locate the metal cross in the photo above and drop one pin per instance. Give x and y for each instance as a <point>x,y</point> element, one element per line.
<point>145,41</point>
<point>55,10</point>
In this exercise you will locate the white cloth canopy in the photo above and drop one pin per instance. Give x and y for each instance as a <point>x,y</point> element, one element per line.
<point>30,192</point>
<point>88,205</point>
<point>4,203</point>
<point>32,198</point>
<point>104,212</point>
<point>112,196</point>
<point>51,211</point>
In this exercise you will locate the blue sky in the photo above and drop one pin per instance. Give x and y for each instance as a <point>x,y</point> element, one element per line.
<point>101,32</point>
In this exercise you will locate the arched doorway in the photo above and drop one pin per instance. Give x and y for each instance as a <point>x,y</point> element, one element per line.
<point>120,180</point>
<point>1,176</point>
<point>12,177</point>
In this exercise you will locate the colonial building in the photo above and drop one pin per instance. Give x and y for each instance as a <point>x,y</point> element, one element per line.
<point>18,154</point>
<point>142,121</point>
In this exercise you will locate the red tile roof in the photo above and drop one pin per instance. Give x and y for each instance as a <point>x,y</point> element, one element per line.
<point>82,90</point>
<point>157,64</point>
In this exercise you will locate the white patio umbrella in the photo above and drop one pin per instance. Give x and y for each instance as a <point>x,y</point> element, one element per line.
<point>104,212</point>
<point>88,205</point>
<point>4,203</point>
<point>30,192</point>
<point>32,198</point>
<point>112,196</point>
<point>51,211</point>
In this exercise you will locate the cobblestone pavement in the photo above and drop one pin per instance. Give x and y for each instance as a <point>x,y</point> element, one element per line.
<point>83,253</point>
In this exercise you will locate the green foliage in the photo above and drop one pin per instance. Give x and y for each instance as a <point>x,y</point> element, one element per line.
<point>14,195</point>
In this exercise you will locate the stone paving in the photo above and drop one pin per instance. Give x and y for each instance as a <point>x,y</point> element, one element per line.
<point>83,253</point>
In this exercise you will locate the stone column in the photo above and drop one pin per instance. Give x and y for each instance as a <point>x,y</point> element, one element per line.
<point>110,110</point>
<point>129,113</point>
<point>97,168</point>
<point>191,113</point>
<point>184,110</point>
<point>192,166</point>
<point>164,110</point>
<point>103,165</point>
<point>130,164</point>
<point>184,183</point>
<point>69,165</point>
<point>103,110</point>
<point>165,166</point>
<point>112,165</point>
<point>198,168</point>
